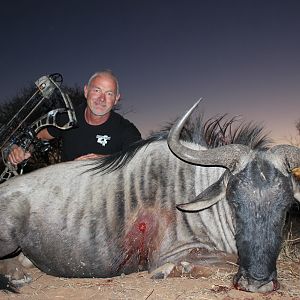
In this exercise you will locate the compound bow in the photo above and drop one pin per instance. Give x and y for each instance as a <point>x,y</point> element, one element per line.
<point>26,137</point>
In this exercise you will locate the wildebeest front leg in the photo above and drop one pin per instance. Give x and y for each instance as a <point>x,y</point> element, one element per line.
<point>196,262</point>
<point>12,267</point>
<point>13,270</point>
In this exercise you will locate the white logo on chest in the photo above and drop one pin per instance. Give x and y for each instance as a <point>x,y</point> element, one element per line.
<point>102,139</point>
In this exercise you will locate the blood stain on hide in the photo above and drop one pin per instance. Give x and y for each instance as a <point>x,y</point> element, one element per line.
<point>139,242</point>
<point>142,227</point>
<point>143,237</point>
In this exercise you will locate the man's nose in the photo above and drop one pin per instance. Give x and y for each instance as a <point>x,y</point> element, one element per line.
<point>102,96</point>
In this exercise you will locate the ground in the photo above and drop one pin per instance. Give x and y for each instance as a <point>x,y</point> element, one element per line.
<point>213,284</point>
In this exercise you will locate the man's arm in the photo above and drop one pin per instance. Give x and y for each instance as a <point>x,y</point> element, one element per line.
<point>44,135</point>
<point>91,156</point>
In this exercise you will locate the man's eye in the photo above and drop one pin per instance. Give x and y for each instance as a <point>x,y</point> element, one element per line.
<point>110,94</point>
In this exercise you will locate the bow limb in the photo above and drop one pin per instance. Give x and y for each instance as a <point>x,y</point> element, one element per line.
<point>45,87</point>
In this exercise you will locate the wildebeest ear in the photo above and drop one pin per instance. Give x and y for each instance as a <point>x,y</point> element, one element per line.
<point>296,173</point>
<point>213,194</point>
<point>296,188</point>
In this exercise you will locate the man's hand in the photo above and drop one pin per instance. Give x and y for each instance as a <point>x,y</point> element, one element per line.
<point>17,155</point>
<point>90,156</point>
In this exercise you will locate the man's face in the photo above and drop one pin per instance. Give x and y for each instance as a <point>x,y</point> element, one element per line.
<point>101,95</point>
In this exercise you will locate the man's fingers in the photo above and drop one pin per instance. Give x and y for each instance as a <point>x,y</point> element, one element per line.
<point>88,156</point>
<point>17,155</point>
<point>27,155</point>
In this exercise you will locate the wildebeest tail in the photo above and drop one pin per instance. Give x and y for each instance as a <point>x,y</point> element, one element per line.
<point>6,285</point>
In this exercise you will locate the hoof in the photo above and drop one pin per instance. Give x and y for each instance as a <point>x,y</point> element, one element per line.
<point>6,285</point>
<point>25,262</point>
<point>14,272</point>
<point>20,282</point>
<point>163,271</point>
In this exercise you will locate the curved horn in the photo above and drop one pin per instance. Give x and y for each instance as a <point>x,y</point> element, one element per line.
<point>288,152</point>
<point>224,156</point>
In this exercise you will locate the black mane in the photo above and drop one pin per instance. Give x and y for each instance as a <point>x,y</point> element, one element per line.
<point>212,133</point>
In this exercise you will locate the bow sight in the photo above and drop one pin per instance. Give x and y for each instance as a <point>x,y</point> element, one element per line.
<point>22,132</point>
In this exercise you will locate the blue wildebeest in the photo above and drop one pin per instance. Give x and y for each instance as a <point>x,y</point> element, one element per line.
<point>118,214</point>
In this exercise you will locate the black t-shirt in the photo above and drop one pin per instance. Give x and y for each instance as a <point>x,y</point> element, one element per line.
<point>114,135</point>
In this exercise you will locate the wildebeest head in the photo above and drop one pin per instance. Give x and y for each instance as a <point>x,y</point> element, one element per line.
<point>260,189</point>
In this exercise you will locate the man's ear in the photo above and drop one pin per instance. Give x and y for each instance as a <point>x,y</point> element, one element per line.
<point>117,99</point>
<point>85,89</point>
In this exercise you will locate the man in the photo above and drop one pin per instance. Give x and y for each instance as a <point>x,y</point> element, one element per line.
<point>100,130</point>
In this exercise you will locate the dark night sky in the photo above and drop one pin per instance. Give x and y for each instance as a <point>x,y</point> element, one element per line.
<point>242,56</point>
